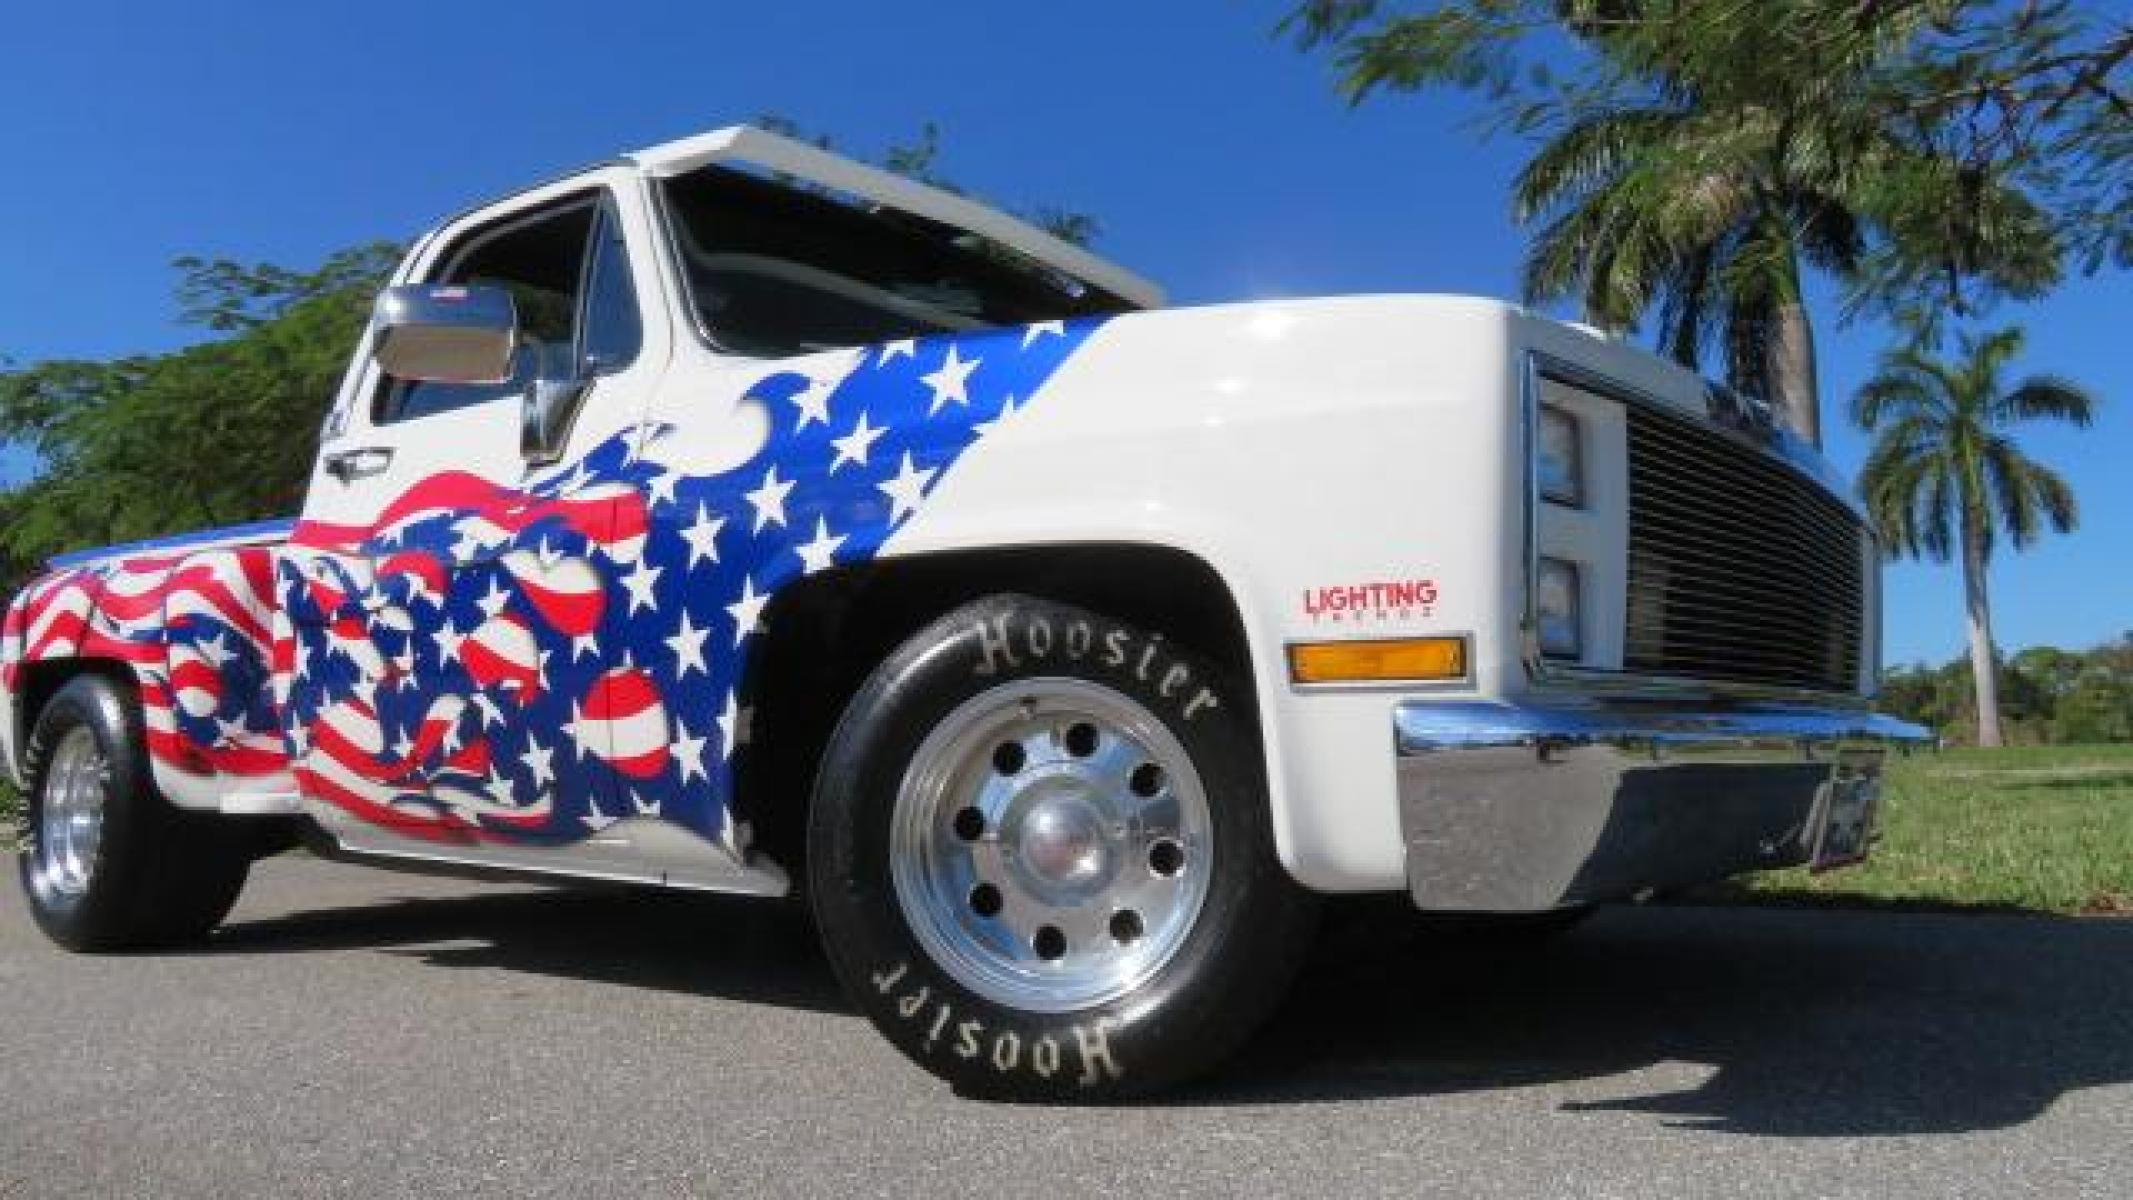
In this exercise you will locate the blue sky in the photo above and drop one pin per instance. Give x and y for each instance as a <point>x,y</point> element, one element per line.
<point>1219,161</point>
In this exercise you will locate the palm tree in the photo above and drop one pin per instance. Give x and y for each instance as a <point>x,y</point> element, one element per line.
<point>1945,476</point>
<point>1706,214</point>
<point>1725,165</point>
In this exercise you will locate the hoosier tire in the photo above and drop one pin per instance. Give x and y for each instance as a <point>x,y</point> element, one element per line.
<point>106,862</point>
<point>1041,861</point>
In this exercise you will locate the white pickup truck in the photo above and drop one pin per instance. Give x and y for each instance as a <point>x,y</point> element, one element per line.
<point>733,516</point>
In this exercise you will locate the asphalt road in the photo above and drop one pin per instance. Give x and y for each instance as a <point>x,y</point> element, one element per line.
<point>363,1033</point>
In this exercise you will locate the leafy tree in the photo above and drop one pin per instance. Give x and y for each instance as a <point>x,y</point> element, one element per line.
<point>208,435</point>
<point>1933,155</point>
<point>1945,478</point>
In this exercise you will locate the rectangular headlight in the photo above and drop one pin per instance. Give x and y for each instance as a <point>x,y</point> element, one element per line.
<point>1556,609</point>
<point>1559,458</point>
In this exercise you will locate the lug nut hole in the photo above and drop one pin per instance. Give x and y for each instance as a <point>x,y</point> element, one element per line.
<point>1080,739</point>
<point>1050,944</point>
<point>1125,927</point>
<point>985,900</point>
<point>1166,858</point>
<point>1007,758</point>
<point>1146,780</point>
<point>970,824</point>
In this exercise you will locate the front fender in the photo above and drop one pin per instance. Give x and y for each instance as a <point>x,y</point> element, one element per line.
<point>1300,450</point>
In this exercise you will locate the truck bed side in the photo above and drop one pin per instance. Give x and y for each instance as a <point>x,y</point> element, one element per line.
<point>194,623</point>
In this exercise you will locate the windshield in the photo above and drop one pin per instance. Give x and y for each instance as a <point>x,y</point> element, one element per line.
<point>777,268</point>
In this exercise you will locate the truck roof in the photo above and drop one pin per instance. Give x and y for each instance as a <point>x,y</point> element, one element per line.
<point>758,147</point>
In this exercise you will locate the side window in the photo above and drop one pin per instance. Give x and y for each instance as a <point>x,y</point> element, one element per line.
<point>613,329</point>
<point>568,276</point>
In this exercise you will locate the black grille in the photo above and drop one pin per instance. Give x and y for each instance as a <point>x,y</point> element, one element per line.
<point>1740,569</point>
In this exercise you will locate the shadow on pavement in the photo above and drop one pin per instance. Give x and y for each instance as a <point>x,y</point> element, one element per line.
<point>1799,1023</point>
<point>1805,1023</point>
<point>742,949</point>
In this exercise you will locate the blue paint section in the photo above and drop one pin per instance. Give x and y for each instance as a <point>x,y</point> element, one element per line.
<point>642,715</point>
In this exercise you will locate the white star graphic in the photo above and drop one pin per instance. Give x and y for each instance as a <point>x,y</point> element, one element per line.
<point>906,490</point>
<point>228,732</point>
<point>575,481</point>
<point>769,499</point>
<point>490,714</point>
<point>494,602</point>
<point>299,738</point>
<point>907,348</point>
<point>661,488</point>
<point>595,819</point>
<point>638,583</point>
<point>404,747</point>
<point>216,650</point>
<point>818,554</point>
<point>813,401</point>
<point>747,611</point>
<point>575,730</point>
<point>448,639</point>
<point>475,536</point>
<point>853,446</point>
<point>1031,333</point>
<point>584,644</point>
<point>702,536</point>
<point>734,725</point>
<point>540,760</point>
<point>1007,411</point>
<point>643,434</point>
<point>500,787</point>
<point>689,754</point>
<point>688,647</point>
<point>951,383</point>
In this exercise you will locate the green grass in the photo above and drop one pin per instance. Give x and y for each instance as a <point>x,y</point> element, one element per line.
<point>10,817</point>
<point>2041,828</point>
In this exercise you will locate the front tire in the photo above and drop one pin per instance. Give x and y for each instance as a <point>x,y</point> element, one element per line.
<point>108,863</point>
<point>1041,861</point>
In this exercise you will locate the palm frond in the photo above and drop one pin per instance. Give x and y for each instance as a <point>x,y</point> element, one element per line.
<point>2047,398</point>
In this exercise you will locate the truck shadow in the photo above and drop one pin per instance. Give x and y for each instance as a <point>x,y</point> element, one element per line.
<point>740,949</point>
<point>1798,1023</point>
<point>1792,1022</point>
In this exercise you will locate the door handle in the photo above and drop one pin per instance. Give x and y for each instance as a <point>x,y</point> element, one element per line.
<point>350,465</point>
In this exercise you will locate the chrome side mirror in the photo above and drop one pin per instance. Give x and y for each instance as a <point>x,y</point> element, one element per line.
<point>445,333</point>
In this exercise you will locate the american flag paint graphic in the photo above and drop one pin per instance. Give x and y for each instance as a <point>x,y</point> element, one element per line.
<point>198,630</point>
<point>531,664</point>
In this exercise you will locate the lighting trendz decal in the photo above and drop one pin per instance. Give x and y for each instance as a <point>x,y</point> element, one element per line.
<point>535,663</point>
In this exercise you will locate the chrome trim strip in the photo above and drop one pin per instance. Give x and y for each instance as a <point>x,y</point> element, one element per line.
<point>1424,727</point>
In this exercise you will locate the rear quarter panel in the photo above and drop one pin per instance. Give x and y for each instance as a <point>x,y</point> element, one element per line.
<point>196,630</point>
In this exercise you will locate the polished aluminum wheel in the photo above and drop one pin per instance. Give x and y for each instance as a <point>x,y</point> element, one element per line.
<point>1051,845</point>
<point>72,824</point>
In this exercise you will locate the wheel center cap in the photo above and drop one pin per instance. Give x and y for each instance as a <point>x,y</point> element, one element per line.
<point>1061,841</point>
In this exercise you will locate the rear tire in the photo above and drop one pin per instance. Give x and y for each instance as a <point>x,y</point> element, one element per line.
<point>1041,859</point>
<point>107,863</point>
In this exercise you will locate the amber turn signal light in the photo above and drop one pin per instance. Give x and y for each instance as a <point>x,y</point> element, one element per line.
<point>1394,660</point>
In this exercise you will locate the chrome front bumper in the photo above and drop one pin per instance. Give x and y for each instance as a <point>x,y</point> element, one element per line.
<point>1518,808</point>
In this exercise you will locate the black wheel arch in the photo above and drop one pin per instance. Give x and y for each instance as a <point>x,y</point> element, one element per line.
<point>825,634</point>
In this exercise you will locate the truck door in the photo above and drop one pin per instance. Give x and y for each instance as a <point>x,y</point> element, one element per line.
<point>455,677</point>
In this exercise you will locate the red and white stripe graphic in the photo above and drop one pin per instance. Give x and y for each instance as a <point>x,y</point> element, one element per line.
<point>566,592</point>
<point>503,654</point>
<point>624,722</point>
